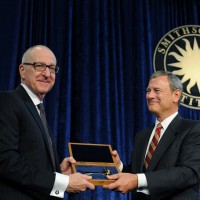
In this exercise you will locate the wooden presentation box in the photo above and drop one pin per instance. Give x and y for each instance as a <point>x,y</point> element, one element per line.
<point>94,160</point>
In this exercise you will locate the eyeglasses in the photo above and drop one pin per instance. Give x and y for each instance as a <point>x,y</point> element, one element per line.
<point>42,67</point>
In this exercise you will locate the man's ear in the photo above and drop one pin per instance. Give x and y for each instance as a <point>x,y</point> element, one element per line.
<point>177,95</point>
<point>21,71</point>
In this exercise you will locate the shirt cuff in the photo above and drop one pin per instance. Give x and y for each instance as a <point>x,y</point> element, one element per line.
<point>60,185</point>
<point>142,184</point>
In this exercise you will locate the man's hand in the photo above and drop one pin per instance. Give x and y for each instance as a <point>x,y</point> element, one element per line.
<point>78,183</point>
<point>65,166</point>
<point>124,183</point>
<point>116,157</point>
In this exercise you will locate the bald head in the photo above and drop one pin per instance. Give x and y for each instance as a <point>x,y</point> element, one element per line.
<point>34,52</point>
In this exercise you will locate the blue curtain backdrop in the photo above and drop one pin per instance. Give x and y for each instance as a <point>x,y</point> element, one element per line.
<point>105,51</point>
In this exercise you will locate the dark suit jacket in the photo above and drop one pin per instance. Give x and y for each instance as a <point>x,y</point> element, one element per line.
<point>26,170</point>
<point>174,171</point>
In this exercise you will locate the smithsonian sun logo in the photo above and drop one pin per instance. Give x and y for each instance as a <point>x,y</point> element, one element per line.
<point>179,52</point>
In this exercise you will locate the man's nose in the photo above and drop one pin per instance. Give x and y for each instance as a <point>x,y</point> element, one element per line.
<point>47,72</point>
<point>150,94</point>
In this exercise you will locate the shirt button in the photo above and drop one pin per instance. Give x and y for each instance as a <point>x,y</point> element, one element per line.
<point>140,188</point>
<point>57,192</point>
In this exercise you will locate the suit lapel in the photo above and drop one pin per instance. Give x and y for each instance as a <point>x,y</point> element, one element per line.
<point>165,142</point>
<point>143,150</point>
<point>142,146</point>
<point>31,107</point>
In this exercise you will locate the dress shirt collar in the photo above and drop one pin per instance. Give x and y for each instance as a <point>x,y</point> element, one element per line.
<point>165,123</point>
<point>33,97</point>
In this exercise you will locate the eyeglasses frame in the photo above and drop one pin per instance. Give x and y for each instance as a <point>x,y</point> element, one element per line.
<point>34,63</point>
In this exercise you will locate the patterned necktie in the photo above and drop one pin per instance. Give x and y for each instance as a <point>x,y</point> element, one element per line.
<point>152,146</point>
<point>44,122</point>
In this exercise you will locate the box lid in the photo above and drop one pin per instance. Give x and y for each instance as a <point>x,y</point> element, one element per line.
<point>86,152</point>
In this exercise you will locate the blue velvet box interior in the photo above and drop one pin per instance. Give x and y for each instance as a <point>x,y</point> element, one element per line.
<point>97,172</point>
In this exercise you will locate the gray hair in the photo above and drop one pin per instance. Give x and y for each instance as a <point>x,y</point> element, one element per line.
<point>174,81</point>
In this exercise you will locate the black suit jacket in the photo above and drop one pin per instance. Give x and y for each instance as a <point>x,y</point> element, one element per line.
<point>174,171</point>
<point>26,170</point>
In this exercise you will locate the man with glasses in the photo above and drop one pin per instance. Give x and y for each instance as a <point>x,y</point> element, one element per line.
<point>29,166</point>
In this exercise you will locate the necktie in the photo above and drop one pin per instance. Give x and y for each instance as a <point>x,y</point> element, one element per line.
<point>152,146</point>
<point>44,121</point>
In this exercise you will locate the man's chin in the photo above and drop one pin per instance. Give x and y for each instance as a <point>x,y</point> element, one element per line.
<point>44,90</point>
<point>42,93</point>
<point>152,109</point>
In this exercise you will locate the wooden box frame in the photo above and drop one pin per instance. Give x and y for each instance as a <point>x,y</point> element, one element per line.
<point>93,156</point>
